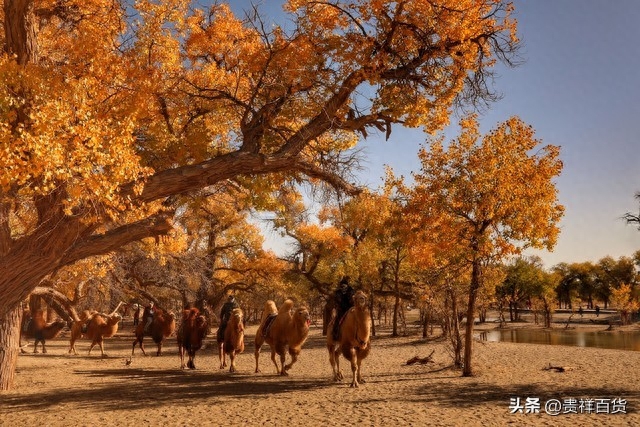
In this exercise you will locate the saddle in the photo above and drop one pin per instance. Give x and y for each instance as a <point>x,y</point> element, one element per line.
<point>336,328</point>
<point>85,326</point>
<point>268,323</point>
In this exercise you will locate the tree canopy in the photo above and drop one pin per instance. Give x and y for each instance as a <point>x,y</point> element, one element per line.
<point>109,109</point>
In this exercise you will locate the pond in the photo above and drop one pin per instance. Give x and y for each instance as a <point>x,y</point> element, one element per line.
<point>622,340</point>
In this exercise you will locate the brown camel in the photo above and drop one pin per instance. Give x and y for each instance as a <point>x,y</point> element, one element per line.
<point>34,326</point>
<point>282,329</point>
<point>233,339</point>
<point>162,325</point>
<point>354,340</point>
<point>96,328</point>
<point>191,333</point>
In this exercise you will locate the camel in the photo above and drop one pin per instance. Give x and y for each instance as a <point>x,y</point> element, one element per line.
<point>34,326</point>
<point>193,329</point>
<point>354,340</point>
<point>233,343</point>
<point>163,325</point>
<point>96,327</point>
<point>282,329</point>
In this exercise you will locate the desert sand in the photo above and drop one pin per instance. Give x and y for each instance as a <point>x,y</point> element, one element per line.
<point>57,389</point>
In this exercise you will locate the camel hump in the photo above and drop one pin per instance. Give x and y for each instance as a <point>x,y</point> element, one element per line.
<point>269,308</point>
<point>286,307</point>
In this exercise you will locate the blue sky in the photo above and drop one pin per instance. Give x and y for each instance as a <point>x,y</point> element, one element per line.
<point>579,88</point>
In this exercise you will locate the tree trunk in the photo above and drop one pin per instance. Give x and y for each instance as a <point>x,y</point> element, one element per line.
<point>394,332</point>
<point>371,305</point>
<point>396,306</point>
<point>20,30</point>
<point>468,339</point>
<point>9,346</point>
<point>455,331</point>
<point>425,323</point>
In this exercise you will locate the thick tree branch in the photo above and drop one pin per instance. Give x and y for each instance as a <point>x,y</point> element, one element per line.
<point>114,239</point>
<point>313,171</point>
<point>58,301</point>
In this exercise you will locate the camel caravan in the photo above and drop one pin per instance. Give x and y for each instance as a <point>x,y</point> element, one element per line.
<point>285,330</point>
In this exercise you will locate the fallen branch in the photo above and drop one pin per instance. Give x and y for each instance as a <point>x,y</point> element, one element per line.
<point>22,347</point>
<point>558,368</point>
<point>421,360</point>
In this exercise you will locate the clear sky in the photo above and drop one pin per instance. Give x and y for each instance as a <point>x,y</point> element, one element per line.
<point>579,88</point>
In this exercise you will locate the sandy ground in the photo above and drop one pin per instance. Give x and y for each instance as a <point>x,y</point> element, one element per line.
<point>57,389</point>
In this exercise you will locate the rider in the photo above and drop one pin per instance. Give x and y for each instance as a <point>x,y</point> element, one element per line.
<point>225,314</point>
<point>343,299</point>
<point>136,315</point>
<point>148,314</point>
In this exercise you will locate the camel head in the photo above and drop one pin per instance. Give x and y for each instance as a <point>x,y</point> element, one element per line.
<point>360,300</point>
<point>114,319</point>
<point>202,326</point>
<point>301,316</point>
<point>237,319</point>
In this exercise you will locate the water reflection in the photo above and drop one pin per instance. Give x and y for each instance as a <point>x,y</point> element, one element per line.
<point>627,340</point>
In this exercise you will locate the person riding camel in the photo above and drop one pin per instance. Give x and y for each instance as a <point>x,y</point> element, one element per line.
<point>136,315</point>
<point>343,299</point>
<point>148,315</point>
<point>225,314</point>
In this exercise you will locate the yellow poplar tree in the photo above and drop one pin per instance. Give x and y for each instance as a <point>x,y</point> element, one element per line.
<point>110,108</point>
<point>492,196</point>
<point>623,300</point>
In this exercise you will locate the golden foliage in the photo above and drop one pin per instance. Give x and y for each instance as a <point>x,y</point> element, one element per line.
<point>495,193</point>
<point>622,298</point>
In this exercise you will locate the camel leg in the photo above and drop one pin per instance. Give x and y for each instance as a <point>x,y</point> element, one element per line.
<point>354,367</point>
<point>336,356</point>
<point>333,360</point>
<point>142,348</point>
<point>138,341</point>
<point>359,376</point>
<point>222,356</point>
<point>181,352</point>
<point>35,345</point>
<point>273,359</point>
<point>258,345</point>
<point>44,349</point>
<point>282,359</point>
<point>191,364</point>
<point>159,349</point>
<point>294,358</point>
<point>72,346</point>
<point>232,361</point>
